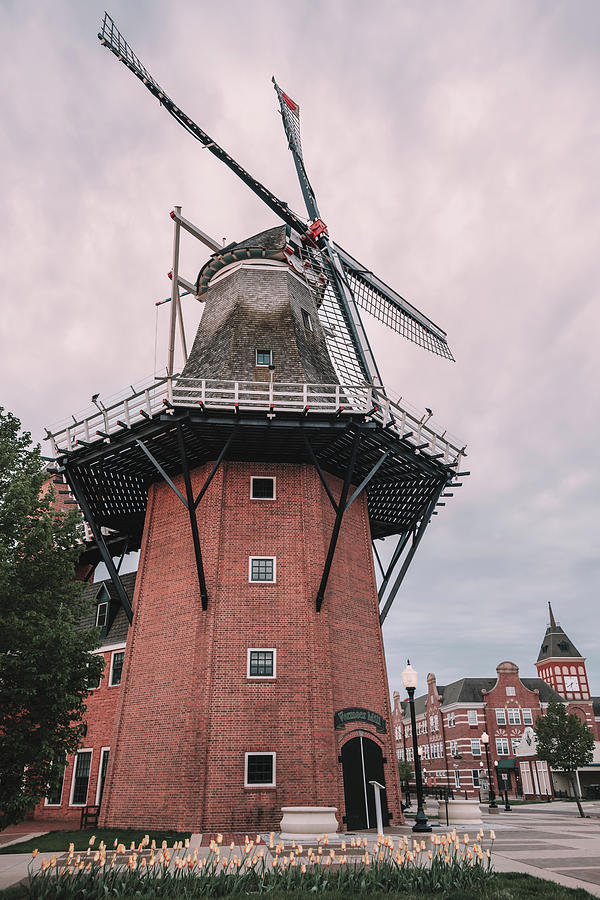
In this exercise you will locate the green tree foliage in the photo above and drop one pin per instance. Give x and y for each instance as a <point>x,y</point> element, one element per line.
<point>405,770</point>
<point>44,654</point>
<point>564,742</point>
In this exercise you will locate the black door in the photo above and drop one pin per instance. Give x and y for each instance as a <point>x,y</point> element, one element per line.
<point>362,762</point>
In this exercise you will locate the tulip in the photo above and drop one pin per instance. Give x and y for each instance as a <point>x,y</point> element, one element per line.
<point>492,836</point>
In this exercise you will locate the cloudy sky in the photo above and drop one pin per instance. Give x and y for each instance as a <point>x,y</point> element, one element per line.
<point>454,148</point>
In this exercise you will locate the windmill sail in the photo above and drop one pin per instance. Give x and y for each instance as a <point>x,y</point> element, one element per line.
<point>392,309</point>
<point>290,114</point>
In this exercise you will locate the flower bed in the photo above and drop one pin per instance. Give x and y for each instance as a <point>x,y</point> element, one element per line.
<point>445,862</point>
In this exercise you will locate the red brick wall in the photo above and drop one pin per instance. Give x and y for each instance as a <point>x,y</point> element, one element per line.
<point>187,713</point>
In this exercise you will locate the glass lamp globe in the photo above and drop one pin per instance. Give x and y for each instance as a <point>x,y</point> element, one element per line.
<point>409,676</point>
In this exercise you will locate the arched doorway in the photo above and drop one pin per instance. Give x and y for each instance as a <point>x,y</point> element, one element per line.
<point>362,762</point>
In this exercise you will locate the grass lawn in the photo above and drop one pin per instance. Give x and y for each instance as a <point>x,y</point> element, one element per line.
<point>58,841</point>
<point>505,886</point>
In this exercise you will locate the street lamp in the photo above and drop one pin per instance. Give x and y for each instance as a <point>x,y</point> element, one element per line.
<point>409,680</point>
<point>485,739</point>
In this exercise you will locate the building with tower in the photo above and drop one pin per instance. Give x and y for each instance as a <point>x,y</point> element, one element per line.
<point>451,719</point>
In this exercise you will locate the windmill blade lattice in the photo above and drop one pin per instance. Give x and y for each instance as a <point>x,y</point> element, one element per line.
<point>385,304</point>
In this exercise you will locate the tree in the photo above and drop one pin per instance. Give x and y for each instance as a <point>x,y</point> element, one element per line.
<point>405,770</point>
<point>564,742</point>
<point>45,661</point>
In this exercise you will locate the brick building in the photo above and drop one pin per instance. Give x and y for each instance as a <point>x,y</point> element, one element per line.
<point>252,675</point>
<point>451,719</point>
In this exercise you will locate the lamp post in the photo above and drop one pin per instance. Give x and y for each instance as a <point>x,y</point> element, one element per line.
<point>409,680</point>
<point>485,739</point>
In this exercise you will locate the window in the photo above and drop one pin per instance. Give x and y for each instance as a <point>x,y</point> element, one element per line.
<point>510,692</point>
<point>475,747</point>
<point>527,717</point>
<point>515,743</point>
<point>501,717</point>
<point>451,720</point>
<point>307,320</point>
<point>264,357</point>
<point>262,568</point>
<point>81,778</point>
<point>104,753</point>
<point>259,769</point>
<point>426,751</point>
<point>453,748</point>
<point>456,778</point>
<point>475,773</point>
<point>472,716</point>
<point>502,746</point>
<point>261,663</point>
<point>514,716</point>
<point>55,793</point>
<point>116,667</point>
<point>94,683</point>
<point>262,488</point>
<point>101,615</point>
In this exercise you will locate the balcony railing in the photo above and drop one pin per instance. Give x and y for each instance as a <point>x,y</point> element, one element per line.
<point>157,394</point>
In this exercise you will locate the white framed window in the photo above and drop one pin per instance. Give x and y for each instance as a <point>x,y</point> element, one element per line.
<point>475,773</point>
<point>510,691</point>
<point>426,751</point>
<point>116,667</point>
<point>262,487</point>
<point>259,770</point>
<point>475,747</point>
<point>457,778</point>
<point>261,662</point>
<point>514,716</point>
<point>500,717</point>
<point>54,797</point>
<point>515,744</point>
<point>472,716</point>
<point>81,778</point>
<point>101,615</point>
<point>262,569</point>
<point>103,766</point>
<point>453,748</point>
<point>94,683</point>
<point>502,746</point>
<point>451,720</point>
<point>527,717</point>
<point>264,357</point>
<point>306,319</point>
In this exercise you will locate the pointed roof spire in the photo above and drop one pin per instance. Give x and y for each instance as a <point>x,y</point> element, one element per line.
<point>552,620</point>
<point>556,644</point>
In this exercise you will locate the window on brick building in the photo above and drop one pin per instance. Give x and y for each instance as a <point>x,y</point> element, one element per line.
<point>264,357</point>
<point>514,716</point>
<point>502,746</point>
<point>54,797</point>
<point>510,691</point>
<point>262,568</point>
<point>81,778</point>
<point>101,615</point>
<point>116,667</point>
<point>259,769</point>
<point>527,717</point>
<point>457,778</point>
<point>262,488</point>
<point>261,663</point>
<point>94,683</point>
<point>472,716</point>
<point>515,744</point>
<point>501,717</point>
<point>307,320</point>
<point>453,748</point>
<point>451,720</point>
<point>104,754</point>
<point>475,747</point>
<point>475,773</point>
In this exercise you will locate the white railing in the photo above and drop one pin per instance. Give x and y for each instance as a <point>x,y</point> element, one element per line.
<point>148,399</point>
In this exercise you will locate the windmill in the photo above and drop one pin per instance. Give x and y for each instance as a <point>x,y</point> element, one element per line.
<point>279,452</point>
<point>349,285</point>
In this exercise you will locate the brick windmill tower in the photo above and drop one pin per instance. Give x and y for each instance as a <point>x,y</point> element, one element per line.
<point>255,484</point>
